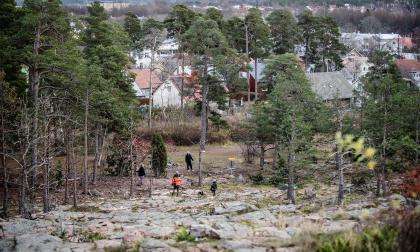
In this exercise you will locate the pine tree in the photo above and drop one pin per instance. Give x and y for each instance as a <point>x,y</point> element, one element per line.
<point>159,156</point>
<point>320,36</point>
<point>389,114</point>
<point>294,109</point>
<point>259,39</point>
<point>205,43</point>
<point>133,28</point>
<point>284,31</point>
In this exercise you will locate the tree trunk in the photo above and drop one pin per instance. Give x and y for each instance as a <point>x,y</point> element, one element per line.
<point>247,60</point>
<point>35,81</point>
<point>275,155</point>
<point>203,123</point>
<point>3,160</point>
<point>182,82</point>
<point>150,186</point>
<point>46,197</point>
<point>102,138</point>
<point>131,158</point>
<point>97,150</point>
<point>378,181</point>
<point>384,153</point>
<point>72,162</point>
<point>417,138</point>
<point>256,78</point>
<point>339,160</point>
<point>24,209</point>
<point>85,163</point>
<point>66,188</point>
<point>291,162</point>
<point>262,157</point>
<point>339,167</point>
<point>152,51</point>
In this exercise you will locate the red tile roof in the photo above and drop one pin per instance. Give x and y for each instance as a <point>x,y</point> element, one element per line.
<point>408,65</point>
<point>143,76</point>
<point>407,42</point>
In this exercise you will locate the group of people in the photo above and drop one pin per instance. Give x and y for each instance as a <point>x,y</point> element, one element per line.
<point>177,178</point>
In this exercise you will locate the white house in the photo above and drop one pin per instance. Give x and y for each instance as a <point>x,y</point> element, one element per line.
<point>355,66</point>
<point>167,95</point>
<point>166,50</point>
<point>366,42</point>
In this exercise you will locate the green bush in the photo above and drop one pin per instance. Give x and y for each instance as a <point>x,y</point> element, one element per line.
<point>379,239</point>
<point>92,236</point>
<point>183,235</point>
<point>360,180</point>
<point>136,247</point>
<point>118,162</point>
<point>376,239</point>
<point>257,179</point>
<point>217,121</point>
<point>340,244</point>
<point>159,156</point>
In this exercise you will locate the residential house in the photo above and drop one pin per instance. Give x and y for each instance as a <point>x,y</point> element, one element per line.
<point>367,42</point>
<point>165,52</point>
<point>167,94</point>
<point>256,74</point>
<point>355,66</point>
<point>410,69</point>
<point>330,86</point>
<point>141,82</point>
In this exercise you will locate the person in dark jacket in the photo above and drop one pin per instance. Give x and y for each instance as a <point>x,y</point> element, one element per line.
<point>142,173</point>
<point>213,187</point>
<point>188,160</point>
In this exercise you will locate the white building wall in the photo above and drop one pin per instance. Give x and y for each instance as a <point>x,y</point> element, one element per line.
<point>167,49</point>
<point>167,95</point>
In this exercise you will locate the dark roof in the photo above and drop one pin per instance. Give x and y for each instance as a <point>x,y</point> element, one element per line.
<point>330,85</point>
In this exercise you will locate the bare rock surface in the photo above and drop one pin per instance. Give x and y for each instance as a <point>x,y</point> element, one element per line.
<point>241,218</point>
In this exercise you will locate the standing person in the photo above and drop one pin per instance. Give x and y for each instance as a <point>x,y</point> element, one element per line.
<point>213,187</point>
<point>142,173</point>
<point>188,160</point>
<point>176,183</point>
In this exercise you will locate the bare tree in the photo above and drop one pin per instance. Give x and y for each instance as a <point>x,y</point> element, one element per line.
<point>85,163</point>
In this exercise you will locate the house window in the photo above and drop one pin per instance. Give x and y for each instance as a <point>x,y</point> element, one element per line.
<point>169,88</point>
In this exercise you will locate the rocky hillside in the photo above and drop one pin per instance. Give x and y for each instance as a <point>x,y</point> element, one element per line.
<point>240,218</point>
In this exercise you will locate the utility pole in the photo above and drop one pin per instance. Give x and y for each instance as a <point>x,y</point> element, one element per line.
<point>152,52</point>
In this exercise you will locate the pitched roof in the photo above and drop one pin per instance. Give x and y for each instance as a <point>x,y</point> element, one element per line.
<point>143,76</point>
<point>408,65</point>
<point>330,85</point>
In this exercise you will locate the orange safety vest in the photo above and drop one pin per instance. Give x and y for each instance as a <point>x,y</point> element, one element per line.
<point>176,181</point>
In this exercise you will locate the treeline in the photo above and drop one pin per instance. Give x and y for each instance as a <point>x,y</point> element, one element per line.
<point>63,82</point>
<point>401,21</point>
<point>379,129</point>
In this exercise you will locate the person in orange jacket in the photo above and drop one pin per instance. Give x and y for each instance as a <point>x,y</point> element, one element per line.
<point>176,183</point>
